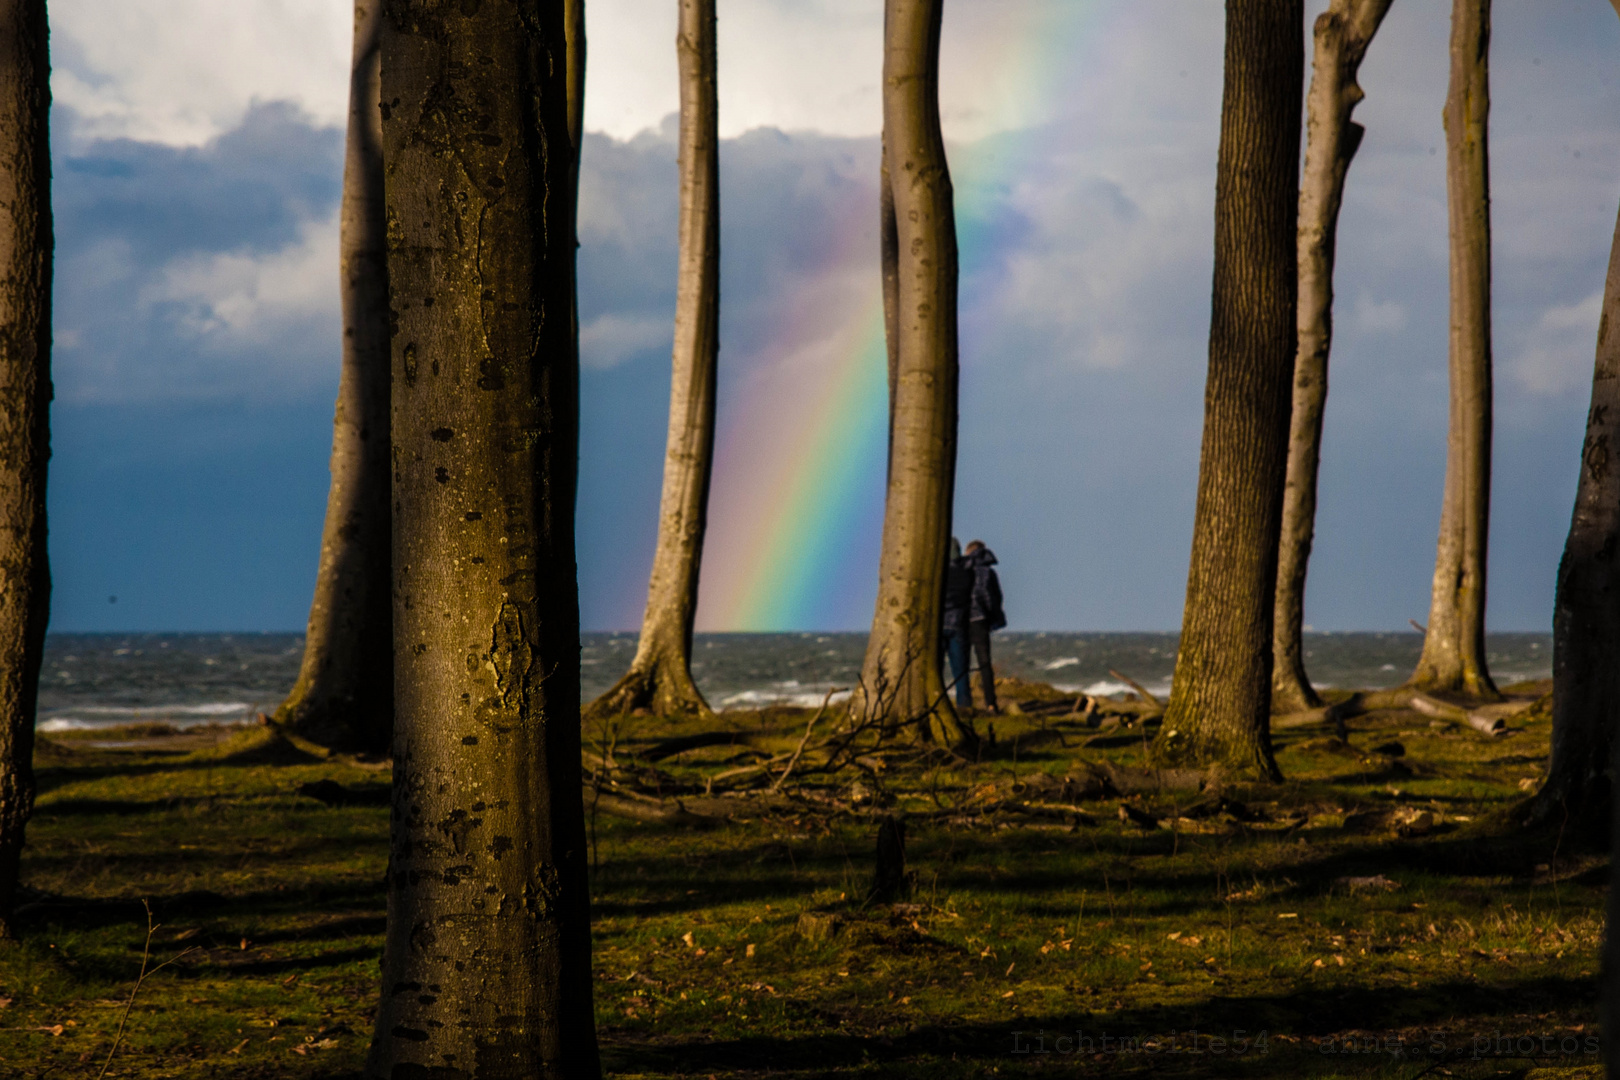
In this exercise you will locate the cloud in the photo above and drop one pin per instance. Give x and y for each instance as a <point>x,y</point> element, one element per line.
<point>1371,316</point>
<point>609,340</point>
<point>1557,357</point>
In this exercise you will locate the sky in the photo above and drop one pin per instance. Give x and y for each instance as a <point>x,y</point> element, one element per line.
<point>198,153</point>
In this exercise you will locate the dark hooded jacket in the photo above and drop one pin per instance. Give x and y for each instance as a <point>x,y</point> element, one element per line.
<point>958,595</point>
<point>986,603</point>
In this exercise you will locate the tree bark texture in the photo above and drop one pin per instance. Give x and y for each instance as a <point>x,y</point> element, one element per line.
<point>660,676</point>
<point>1586,611</point>
<point>1342,34</point>
<point>900,678</point>
<point>344,696</point>
<point>1453,659</point>
<point>1220,702</point>
<point>486,964</point>
<point>25,395</point>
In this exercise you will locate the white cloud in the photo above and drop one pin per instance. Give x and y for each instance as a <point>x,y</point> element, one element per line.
<point>609,340</point>
<point>1371,316</point>
<point>183,71</point>
<point>1557,357</point>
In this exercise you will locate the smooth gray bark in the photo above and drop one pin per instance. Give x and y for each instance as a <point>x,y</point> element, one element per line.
<point>900,677</point>
<point>1453,659</point>
<point>660,676</point>
<point>344,696</point>
<point>1342,34</point>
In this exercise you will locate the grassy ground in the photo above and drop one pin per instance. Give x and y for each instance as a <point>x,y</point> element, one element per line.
<point>1286,931</point>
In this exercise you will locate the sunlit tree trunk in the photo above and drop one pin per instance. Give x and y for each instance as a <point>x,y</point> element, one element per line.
<point>1220,702</point>
<point>344,696</point>
<point>1453,657</point>
<point>1343,33</point>
<point>25,396</point>
<point>486,965</point>
<point>900,678</point>
<point>660,676</point>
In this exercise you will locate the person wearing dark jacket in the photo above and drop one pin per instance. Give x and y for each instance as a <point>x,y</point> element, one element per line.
<point>958,604</point>
<point>984,614</point>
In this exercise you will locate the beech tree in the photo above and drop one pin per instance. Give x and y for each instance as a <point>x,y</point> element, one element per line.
<point>1453,658</point>
<point>1342,35</point>
<point>344,696</point>
<point>900,677</point>
<point>1586,607</point>
<point>25,394</point>
<point>486,965</point>
<point>660,676</point>
<point>1220,701</point>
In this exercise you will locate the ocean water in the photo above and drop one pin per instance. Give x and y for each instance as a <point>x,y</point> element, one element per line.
<point>103,680</point>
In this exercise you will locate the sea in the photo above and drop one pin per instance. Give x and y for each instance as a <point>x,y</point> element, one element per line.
<point>184,680</point>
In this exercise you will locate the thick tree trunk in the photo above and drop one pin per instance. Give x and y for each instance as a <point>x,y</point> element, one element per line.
<point>486,966</point>
<point>1453,659</point>
<point>25,396</point>
<point>1220,703</point>
<point>1586,612</point>
<point>660,676</point>
<point>1343,33</point>
<point>900,679</point>
<point>344,696</point>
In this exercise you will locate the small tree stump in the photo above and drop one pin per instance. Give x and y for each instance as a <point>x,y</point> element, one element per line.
<point>889,879</point>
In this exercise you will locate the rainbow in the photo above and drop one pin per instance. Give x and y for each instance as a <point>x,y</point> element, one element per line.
<point>796,506</point>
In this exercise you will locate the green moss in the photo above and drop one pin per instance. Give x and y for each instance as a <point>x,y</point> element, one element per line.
<point>1019,922</point>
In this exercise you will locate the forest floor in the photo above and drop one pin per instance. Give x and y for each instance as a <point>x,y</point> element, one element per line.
<point>1374,915</point>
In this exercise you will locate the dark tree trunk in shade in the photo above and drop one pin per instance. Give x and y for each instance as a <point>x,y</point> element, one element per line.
<point>1453,659</point>
<point>900,677</point>
<point>889,881</point>
<point>486,966</point>
<point>1220,702</point>
<point>344,696</point>
<point>1586,608</point>
<point>25,396</point>
<point>1342,35</point>
<point>1605,714</point>
<point>660,676</point>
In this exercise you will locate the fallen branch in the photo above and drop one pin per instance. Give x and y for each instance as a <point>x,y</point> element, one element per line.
<point>808,728</point>
<point>1138,687</point>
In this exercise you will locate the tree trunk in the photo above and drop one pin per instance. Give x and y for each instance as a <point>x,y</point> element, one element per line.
<point>344,696</point>
<point>1220,703</point>
<point>660,677</point>
<point>1343,33</point>
<point>1586,614</point>
<point>1453,657</point>
<point>486,965</point>
<point>900,679</point>
<point>25,396</point>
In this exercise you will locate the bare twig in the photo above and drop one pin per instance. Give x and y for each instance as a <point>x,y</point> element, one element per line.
<point>808,728</point>
<point>146,955</point>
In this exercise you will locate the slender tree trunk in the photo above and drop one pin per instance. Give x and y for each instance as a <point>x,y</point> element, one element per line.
<point>900,679</point>
<point>1453,657</point>
<point>1586,613</point>
<point>25,396</point>
<point>1220,703</point>
<point>660,676</point>
<point>1343,33</point>
<point>1609,1007</point>
<point>486,966</point>
<point>889,261</point>
<point>344,696</point>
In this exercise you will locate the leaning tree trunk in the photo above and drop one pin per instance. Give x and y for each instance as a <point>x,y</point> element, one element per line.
<point>25,395</point>
<point>660,676</point>
<point>1586,612</point>
<point>900,679</point>
<point>486,964</point>
<point>1453,658</point>
<point>1220,703</point>
<point>344,696</point>
<point>1343,33</point>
